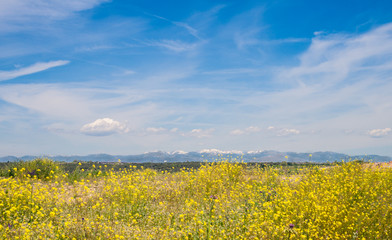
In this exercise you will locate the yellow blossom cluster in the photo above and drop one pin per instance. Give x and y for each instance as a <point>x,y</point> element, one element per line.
<point>220,200</point>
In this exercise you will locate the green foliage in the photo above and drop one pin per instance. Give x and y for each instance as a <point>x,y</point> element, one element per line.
<point>40,168</point>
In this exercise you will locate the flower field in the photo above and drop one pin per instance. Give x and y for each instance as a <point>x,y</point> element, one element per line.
<point>220,200</point>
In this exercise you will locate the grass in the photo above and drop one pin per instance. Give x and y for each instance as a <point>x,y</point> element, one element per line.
<point>219,200</point>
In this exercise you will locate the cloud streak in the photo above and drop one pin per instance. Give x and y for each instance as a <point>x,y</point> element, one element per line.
<point>192,31</point>
<point>174,45</point>
<point>37,67</point>
<point>18,9</point>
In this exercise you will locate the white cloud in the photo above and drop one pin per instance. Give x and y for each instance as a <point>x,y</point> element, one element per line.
<point>379,132</point>
<point>104,127</point>
<point>283,131</point>
<point>237,132</point>
<point>252,129</point>
<point>37,67</point>
<point>155,130</point>
<point>248,130</point>
<point>201,133</point>
<point>288,131</point>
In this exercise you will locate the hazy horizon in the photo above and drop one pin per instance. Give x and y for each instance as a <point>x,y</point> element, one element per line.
<point>203,151</point>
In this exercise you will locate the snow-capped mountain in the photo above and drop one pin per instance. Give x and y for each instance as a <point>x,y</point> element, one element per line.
<point>217,151</point>
<point>212,155</point>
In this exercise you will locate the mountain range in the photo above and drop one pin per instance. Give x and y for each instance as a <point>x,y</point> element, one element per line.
<point>211,155</point>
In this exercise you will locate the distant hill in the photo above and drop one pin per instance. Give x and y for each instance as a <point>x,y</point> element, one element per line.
<point>211,155</point>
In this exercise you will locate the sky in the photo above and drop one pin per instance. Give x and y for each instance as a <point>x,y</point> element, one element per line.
<point>128,77</point>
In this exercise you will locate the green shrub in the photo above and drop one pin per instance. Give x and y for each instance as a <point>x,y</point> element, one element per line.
<point>40,168</point>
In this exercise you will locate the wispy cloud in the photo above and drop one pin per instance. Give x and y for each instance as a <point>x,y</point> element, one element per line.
<point>233,71</point>
<point>58,9</point>
<point>78,102</point>
<point>21,14</point>
<point>246,28</point>
<point>174,45</point>
<point>104,127</point>
<point>93,48</point>
<point>37,67</point>
<point>284,41</point>
<point>124,72</point>
<point>192,31</point>
<point>340,78</point>
<point>247,37</point>
<point>334,57</point>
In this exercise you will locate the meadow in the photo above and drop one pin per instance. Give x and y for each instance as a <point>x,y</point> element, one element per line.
<point>43,199</point>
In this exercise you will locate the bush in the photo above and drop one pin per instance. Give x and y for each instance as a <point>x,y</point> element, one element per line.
<point>40,168</point>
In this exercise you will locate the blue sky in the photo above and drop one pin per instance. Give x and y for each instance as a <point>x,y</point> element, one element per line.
<point>127,77</point>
